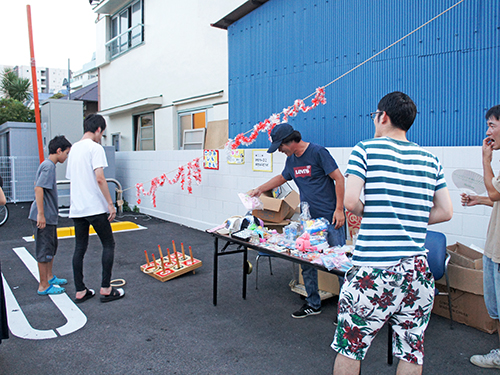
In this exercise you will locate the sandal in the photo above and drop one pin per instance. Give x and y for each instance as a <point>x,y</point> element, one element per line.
<point>53,289</point>
<point>89,293</point>
<point>57,281</point>
<point>116,293</point>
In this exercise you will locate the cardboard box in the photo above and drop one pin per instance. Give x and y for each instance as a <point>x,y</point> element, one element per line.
<point>464,256</point>
<point>464,279</point>
<point>465,269</point>
<point>327,282</point>
<point>467,308</point>
<point>279,208</point>
<point>278,226</point>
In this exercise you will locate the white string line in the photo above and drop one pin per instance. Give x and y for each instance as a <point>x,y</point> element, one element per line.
<point>380,52</point>
<point>386,48</point>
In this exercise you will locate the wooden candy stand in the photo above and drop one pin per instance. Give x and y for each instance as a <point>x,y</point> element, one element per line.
<point>172,265</point>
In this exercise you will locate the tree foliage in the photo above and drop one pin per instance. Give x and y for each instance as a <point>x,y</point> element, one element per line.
<point>15,87</point>
<point>57,95</point>
<point>14,110</point>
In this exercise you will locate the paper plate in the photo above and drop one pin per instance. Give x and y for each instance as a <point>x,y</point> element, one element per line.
<point>468,181</point>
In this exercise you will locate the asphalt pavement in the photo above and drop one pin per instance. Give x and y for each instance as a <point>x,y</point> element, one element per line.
<point>173,327</point>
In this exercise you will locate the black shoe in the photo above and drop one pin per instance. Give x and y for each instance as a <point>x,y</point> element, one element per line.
<point>305,311</point>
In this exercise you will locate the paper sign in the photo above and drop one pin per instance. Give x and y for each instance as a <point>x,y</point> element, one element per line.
<point>262,161</point>
<point>236,157</point>
<point>211,159</point>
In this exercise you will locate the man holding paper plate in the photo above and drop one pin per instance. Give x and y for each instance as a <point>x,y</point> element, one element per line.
<point>491,258</point>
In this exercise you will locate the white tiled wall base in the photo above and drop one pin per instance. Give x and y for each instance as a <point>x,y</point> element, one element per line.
<point>216,198</point>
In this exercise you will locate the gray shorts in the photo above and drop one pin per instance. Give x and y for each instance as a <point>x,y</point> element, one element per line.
<point>45,242</point>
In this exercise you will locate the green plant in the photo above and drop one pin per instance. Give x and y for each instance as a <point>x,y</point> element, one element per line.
<point>136,210</point>
<point>14,110</point>
<point>126,207</point>
<point>57,96</point>
<point>15,87</point>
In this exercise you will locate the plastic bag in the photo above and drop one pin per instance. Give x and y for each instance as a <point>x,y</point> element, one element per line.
<point>251,203</point>
<point>304,212</point>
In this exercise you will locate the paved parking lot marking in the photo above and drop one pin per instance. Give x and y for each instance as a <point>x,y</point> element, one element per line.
<point>18,323</point>
<point>69,232</point>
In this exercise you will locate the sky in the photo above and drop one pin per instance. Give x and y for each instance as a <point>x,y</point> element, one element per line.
<point>62,30</point>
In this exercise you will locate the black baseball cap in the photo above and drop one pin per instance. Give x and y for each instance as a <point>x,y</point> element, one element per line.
<point>278,134</point>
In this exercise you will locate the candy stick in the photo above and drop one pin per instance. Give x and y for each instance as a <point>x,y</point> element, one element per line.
<point>183,254</point>
<point>162,264</point>
<point>161,254</point>
<point>168,253</point>
<point>173,247</point>
<point>177,259</point>
<point>192,259</point>
<point>147,258</point>
<point>191,254</point>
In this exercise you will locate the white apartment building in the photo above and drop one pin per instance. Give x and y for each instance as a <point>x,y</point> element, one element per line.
<point>49,80</point>
<point>85,76</point>
<point>162,70</point>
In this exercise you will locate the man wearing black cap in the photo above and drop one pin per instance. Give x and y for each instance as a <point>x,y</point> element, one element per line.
<point>321,185</point>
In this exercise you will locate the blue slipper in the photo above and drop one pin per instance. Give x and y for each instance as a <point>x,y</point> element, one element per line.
<point>53,289</point>
<point>57,281</point>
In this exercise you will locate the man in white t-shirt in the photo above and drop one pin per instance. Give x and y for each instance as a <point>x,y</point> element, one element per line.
<point>91,204</point>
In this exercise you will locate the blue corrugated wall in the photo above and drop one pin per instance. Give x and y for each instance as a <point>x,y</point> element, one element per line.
<point>285,49</point>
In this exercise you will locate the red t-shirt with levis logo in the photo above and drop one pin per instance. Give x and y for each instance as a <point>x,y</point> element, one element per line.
<point>310,172</point>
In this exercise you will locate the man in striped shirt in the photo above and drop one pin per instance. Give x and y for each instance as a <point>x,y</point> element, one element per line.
<point>404,190</point>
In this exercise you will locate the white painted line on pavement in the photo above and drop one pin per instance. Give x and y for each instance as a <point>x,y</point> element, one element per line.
<point>20,326</point>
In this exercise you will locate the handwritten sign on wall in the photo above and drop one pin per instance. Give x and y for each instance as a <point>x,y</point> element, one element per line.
<point>262,161</point>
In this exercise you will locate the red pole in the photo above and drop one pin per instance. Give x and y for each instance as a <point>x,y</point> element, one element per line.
<point>35,87</point>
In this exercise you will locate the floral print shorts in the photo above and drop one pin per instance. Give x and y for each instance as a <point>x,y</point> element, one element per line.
<point>402,294</point>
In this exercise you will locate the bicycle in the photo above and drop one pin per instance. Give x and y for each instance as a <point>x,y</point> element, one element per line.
<point>4,215</point>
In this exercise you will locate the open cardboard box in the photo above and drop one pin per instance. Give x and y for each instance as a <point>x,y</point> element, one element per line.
<point>276,209</point>
<point>465,269</point>
<point>464,256</point>
<point>467,295</point>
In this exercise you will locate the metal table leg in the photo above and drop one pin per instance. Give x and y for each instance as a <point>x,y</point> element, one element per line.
<point>216,268</point>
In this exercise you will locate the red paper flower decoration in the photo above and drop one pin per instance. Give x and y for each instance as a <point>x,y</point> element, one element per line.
<point>184,173</point>
<point>271,122</point>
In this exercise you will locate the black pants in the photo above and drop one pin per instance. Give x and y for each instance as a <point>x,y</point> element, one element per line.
<point>103,229</point>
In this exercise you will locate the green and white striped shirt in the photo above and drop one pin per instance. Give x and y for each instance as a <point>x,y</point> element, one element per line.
<point>400,181</point>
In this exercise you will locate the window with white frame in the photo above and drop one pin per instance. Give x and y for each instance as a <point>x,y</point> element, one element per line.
<point>191,120</point>
<point>127,28</point>
<point>144,132</point>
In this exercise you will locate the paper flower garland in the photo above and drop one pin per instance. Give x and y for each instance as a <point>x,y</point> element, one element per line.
<point>185,174</point>
<point>275,119</point>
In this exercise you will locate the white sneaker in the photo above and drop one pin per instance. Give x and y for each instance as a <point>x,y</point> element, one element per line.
<point>490,360</point>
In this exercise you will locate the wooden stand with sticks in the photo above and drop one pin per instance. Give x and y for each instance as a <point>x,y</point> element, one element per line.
<point>172,265</point>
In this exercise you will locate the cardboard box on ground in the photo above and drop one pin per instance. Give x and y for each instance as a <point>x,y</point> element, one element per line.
<point>327,282</point>
<point>465,272</point>
<point>276,209</point>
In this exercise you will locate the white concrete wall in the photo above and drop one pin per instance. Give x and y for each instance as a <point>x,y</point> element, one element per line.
<point>182,57</point>
<point>216,198</point>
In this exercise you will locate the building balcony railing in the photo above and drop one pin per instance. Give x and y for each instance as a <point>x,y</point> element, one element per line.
<point>125,41</point>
